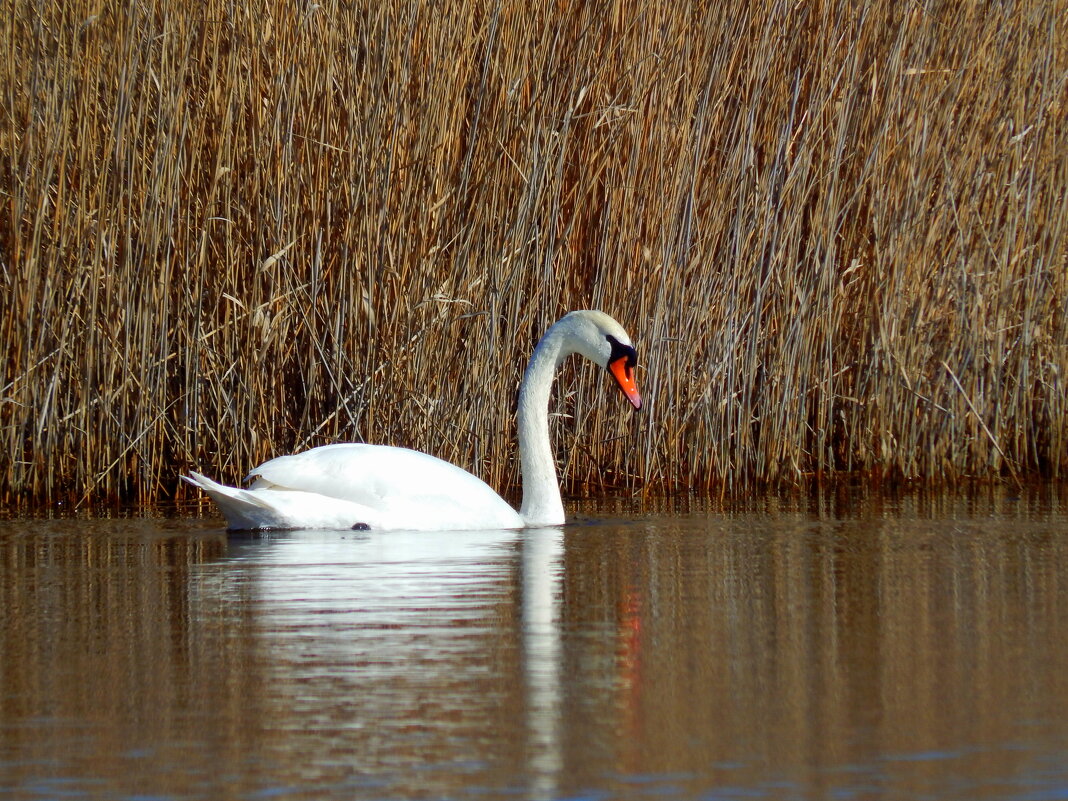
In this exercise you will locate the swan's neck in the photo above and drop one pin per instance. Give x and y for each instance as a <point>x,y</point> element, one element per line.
<point>541,491</point>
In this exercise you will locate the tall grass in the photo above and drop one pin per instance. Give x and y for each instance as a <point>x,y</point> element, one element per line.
<point>838,233</point>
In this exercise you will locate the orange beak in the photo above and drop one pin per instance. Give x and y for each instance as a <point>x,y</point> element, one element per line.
<point>623,373</point>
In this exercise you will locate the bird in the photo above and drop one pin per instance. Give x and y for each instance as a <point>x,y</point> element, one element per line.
<point>385,488</point>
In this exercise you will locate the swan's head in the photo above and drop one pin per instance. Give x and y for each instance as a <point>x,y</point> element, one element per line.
<point>602,340</point>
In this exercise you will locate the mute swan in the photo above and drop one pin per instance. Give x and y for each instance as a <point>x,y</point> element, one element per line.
<point>380,487</point>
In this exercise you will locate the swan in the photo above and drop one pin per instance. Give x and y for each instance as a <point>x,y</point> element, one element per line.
<point>383,488</point>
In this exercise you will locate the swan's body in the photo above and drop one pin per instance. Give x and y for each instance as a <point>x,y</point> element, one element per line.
<point>385,488</point>
<point>378,486</point>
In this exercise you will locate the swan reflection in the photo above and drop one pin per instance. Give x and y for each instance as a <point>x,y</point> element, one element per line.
<point>366,632</point>
<point>542,569</point>
<point>360,571</point>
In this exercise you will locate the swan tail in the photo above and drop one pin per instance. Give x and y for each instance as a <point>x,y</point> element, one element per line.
<point>242,509</point>
<point>267,506</point>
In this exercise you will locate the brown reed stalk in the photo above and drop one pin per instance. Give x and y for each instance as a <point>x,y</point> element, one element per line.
<point>838,234</point>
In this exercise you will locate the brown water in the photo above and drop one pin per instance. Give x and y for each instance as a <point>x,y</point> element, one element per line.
<point>851,650</point>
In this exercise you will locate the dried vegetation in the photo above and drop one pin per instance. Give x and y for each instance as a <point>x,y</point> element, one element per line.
<point>837,231</point>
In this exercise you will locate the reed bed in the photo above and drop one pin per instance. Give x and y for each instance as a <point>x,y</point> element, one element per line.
<point>837,232</point>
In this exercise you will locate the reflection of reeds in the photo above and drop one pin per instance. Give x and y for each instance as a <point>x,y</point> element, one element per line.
<point>814,637</point>
<point>838,236</point>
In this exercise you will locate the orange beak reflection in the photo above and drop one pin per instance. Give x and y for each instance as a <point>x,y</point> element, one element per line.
<point>623,373</point>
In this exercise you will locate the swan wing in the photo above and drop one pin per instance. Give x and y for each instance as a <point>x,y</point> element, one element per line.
<point>405,489</point>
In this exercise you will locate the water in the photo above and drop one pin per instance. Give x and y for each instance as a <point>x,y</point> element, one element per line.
<point>833,649</point>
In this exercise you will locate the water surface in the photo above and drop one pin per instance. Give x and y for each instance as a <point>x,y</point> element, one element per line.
<point>835,648</point>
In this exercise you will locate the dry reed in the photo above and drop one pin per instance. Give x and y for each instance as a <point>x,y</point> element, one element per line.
<point>838,233</point>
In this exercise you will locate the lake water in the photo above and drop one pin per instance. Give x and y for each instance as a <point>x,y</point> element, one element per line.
<point>827,648</point>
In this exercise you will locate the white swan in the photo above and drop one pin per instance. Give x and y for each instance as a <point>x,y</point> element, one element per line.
<point>379,487</point>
